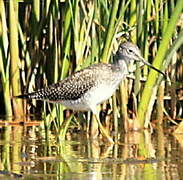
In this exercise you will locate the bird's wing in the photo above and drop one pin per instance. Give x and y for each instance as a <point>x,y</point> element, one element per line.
<point>74,86</point>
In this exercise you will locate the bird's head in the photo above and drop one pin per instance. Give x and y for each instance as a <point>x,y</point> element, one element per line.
<point>129,52</point>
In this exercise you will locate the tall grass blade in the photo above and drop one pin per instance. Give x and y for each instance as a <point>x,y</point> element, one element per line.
<point>110,32</point>
<point>14,50</point>
<point>4,62</point>
<point>158,62</point>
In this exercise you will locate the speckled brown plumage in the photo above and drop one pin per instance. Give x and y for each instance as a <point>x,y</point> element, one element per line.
<point>74,86</point>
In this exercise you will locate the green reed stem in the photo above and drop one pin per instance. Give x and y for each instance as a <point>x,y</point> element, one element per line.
<point>14,50</point>
<point>110,32</point>
<point>4,62</point>
<point>146,95</point>
<point>36,9</point>
<point>67,43</point>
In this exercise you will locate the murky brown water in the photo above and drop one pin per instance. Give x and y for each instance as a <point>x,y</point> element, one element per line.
<point>26,154</point>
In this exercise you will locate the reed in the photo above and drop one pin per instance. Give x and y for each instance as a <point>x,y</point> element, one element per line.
<point>147,92</point>
<point>49,40</point>
<point>4,60</point>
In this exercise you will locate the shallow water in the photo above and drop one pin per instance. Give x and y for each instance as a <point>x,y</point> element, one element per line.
<point>27,154</point>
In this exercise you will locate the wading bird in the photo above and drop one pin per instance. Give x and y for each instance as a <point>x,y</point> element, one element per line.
<point>85,89</point>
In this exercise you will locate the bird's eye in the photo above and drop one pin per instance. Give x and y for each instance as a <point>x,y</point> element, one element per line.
<point>130,50</point>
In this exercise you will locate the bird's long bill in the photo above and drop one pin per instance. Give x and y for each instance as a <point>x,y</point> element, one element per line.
<point>151,66</point>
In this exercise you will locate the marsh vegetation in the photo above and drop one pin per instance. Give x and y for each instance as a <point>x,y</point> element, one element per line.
<point>43,42</point>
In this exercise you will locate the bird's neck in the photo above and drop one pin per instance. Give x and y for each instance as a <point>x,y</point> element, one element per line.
<point>122,62</point>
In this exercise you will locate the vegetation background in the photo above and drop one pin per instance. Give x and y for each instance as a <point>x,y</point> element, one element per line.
<point>42,42</point>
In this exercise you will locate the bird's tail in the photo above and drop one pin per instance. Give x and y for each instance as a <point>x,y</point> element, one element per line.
<point>41,94</point>
<point>23,96</point>
<point>33,95</point>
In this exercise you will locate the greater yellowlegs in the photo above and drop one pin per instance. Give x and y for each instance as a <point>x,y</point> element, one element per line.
<point>85,89</point>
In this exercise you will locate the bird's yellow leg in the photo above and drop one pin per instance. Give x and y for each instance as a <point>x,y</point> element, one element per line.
<point>95,119</point>
<point>103,130</point>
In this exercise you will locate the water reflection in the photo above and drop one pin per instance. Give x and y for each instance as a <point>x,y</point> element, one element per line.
<point>26,153</point>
